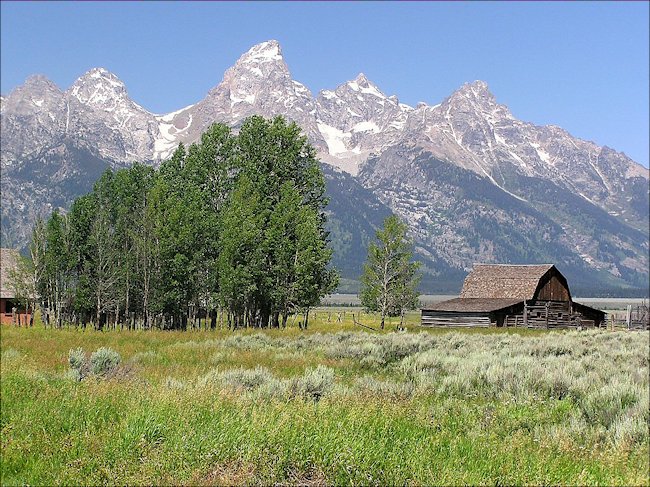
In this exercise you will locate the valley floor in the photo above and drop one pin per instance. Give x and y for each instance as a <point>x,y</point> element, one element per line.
<point>336,404</point>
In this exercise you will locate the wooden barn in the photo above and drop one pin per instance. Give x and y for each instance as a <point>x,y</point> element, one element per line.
<point>532,296</point>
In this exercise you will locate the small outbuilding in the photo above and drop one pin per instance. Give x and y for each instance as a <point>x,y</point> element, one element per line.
<point>532,296</point>
<point>11,311</point>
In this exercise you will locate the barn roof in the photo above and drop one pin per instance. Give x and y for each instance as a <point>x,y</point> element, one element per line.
<point>473,305</point>
<point>498,281</point>
<point>8,261</point>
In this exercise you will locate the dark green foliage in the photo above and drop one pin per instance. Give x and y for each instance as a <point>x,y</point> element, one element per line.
<point>234,224</point>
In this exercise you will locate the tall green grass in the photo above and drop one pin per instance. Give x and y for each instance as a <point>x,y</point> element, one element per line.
<point>350,407</point>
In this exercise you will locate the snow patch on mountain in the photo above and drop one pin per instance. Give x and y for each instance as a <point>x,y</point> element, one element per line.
<point>334,138</point>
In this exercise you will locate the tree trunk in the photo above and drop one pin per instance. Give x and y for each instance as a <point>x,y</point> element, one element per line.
<point>97,315</point>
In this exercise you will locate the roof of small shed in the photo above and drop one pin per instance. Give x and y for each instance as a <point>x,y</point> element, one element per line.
<point>473,305</point>
<point>498,281</point>
<point>8,262</point>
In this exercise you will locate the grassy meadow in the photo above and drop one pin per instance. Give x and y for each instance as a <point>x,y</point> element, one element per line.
<point>336,404</point>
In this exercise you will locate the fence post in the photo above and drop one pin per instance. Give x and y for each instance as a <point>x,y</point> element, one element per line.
<point>525,314</point>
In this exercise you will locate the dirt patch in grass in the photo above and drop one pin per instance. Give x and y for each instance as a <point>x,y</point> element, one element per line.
<point>234,472</point>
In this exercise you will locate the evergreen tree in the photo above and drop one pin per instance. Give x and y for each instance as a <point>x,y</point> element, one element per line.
<point>389,280</point>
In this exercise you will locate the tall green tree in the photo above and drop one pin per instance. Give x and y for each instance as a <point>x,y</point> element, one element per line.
<point>81,220</point>
<point>283,170</point>
<point>106,261</point>
<point>390,278</point>
<point>241,261</point>
<point>233,221</point>
<point>57,274</point>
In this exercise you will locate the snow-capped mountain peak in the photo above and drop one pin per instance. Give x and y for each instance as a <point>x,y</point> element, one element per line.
<point>258,63</point>
<point>356,119</point>
<point>364,85</point>
<point>259,83</point>
<point>475,93</point>
<point>101,89</point>
<point>263,53</point>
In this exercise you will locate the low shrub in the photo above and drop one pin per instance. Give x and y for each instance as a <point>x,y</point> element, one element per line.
<point>248,342</point>
<point>246,379</point>
<point>73,375</point>
<point>76,358</point>
<point>103,361</point>
<point>314,383</point>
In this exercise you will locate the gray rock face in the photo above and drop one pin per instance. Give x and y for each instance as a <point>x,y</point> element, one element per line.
<point>100,112</point>
<point>463,173</point>
<point>258,84</point>
<point>475,132</point>
<point>32,118</point>
<point>357,119</point>
<point>458,217</point>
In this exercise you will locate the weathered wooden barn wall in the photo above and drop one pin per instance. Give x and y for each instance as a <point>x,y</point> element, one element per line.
<point>553,288</point>
<point>456,319</point>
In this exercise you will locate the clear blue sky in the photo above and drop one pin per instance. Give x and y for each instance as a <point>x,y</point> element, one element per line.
<point>583,66</point>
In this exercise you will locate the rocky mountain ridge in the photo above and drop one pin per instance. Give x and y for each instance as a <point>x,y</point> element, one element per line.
<point>412,159</point>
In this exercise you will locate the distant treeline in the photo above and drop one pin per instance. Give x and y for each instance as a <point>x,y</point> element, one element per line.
<point>231,229</point>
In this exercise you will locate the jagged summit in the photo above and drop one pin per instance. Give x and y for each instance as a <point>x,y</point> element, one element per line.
<point>39,80</point>
<point>477,86</point>
<point>476,90</point>
<point>262,63</point>
<point>96,76</point>
<point>104,90</point>
<point>362,84</point>
<point>263,52</point>
<point>362,79</point>
<point>99,72</point>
